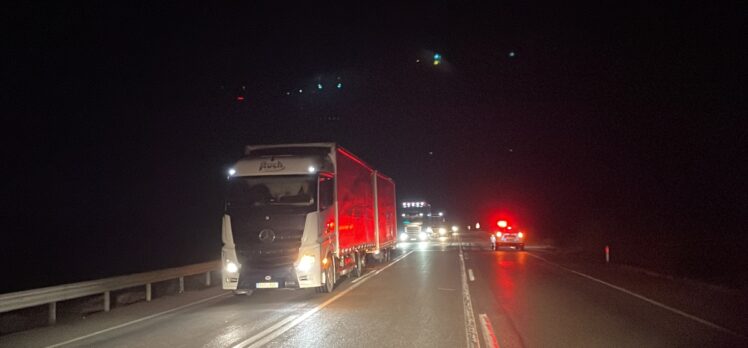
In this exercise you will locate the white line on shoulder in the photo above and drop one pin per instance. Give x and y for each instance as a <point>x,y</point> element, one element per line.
<point>643,298</point>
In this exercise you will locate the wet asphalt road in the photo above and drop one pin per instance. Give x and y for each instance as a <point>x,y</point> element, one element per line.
<point>420,300</point>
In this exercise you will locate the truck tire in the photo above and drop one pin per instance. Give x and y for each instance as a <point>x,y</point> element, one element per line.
<point>359,269</point>
<point>330,276</point>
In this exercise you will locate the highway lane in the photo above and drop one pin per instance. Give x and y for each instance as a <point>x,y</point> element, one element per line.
<point>418,301</point>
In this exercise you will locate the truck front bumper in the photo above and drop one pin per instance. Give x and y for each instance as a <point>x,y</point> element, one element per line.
<point>283,277</point>
<point>277,278</point>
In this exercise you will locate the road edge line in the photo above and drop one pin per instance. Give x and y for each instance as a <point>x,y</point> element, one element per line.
<point>646,299</point>
<point>155,315</point>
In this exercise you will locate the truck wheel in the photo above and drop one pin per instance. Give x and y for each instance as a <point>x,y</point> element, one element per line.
<point>359,269</point>
<point>329,284</point>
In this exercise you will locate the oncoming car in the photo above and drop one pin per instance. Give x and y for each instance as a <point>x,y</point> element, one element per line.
<point>510,239</point>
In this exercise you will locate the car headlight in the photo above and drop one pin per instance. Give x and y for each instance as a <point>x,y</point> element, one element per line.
<point>520,235</point>
<point>423,236</point>
<point>306,263</point>
<point>429,230</point>
<point>404,237</point>
<point>442,231</point>
<point>231,267</point>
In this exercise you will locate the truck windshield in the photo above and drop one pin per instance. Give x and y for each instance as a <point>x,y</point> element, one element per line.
<point>291,190</point>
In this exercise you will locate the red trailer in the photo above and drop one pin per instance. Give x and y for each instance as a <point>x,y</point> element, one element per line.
<point>301,215</point>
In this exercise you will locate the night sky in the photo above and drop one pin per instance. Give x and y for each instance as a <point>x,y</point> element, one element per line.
<point>586,124</point>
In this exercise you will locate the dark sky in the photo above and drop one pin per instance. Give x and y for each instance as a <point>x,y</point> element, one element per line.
<point>607,123</point>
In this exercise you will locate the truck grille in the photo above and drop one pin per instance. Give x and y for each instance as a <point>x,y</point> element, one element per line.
<point>265,243</point>
<point>268,258</point>
<point>412,229</point>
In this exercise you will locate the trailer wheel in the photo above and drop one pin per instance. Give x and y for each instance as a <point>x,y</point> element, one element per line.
<point>329,284</point>
<point>359,269</point>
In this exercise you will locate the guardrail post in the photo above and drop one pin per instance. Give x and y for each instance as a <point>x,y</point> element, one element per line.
<point>52,313</point>
<point>148,293</point>
<point>107,301</point>
<point>181,285</point>
<point>207,278</point>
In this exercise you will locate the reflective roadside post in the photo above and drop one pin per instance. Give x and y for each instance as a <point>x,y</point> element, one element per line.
<point>607,254</point>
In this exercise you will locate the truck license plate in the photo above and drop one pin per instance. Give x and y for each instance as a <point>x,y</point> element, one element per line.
<point>272,285</point>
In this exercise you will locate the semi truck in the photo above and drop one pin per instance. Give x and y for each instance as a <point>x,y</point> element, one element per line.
<point>303,216</point>
<point>415,221</point>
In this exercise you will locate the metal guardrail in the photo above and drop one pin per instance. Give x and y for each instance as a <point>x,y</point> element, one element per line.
<point>53,294</point>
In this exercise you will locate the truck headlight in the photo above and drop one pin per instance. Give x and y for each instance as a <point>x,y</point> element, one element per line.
<point>423,236</point>
<point>306,263</point>
<point>404,237</point>
<point>442,231</point>
<point>231,267</point>
<point>429,230</point>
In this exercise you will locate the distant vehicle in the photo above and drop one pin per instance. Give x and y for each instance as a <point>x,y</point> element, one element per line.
<point>439,230</point>
<point>508,238</point>
<point>416,221</point>
<point>302,215</point>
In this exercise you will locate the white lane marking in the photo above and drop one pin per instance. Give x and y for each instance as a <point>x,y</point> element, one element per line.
<point>267,331</point>
<point>445,289</point>
<point>470,274</point>
<point>646,299</point>
<point>471,332</point>
<point>136,321</point>
<point>263,338</point>
<point>488,335</point>
<point>367,275</point>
